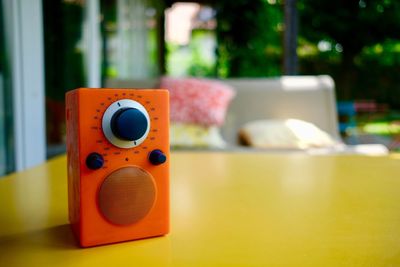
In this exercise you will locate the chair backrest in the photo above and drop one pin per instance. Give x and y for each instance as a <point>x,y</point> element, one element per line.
<point>308,98</point>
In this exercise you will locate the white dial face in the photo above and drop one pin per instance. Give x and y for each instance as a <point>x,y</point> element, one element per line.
<point>108,115</point>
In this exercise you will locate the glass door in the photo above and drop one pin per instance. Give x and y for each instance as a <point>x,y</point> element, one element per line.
<point>64,44</point>
<point>6,129</point>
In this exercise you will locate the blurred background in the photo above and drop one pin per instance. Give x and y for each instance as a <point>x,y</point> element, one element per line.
<point>48,47</point>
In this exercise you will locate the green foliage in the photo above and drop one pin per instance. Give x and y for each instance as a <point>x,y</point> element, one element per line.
<point>353,24</point>
<point>378,69</point>
<point>201,65</point>
<point>248,37</point>
<point>368,35</point>
<point>385,54</point>
<point>193,59</point>
<point>355,41</point>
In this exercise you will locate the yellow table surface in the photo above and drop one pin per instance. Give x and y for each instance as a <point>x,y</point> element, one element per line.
<point>227,209</point>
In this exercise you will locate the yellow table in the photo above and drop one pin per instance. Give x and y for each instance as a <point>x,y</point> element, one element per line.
<point>228,209</point>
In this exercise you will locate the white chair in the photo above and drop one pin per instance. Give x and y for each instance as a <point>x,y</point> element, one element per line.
<point>308,98</point>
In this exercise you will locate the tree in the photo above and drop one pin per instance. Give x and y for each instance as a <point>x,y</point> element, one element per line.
<point>249,38</point>
<point>353,25</point>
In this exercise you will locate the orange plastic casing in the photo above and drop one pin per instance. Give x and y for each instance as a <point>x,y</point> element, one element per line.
<point>84,112</point>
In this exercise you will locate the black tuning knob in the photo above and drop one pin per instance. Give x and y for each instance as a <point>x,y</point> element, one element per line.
<point>129,124</point>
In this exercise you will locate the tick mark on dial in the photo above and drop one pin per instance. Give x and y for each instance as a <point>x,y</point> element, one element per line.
<point>119,104</point>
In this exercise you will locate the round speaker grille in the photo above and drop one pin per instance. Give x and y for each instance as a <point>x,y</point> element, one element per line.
<point>127,195</point>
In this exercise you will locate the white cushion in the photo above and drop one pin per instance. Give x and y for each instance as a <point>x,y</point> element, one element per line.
<point>290,133</point>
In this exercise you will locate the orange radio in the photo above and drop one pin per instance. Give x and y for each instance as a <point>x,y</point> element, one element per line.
<point>118,164</point>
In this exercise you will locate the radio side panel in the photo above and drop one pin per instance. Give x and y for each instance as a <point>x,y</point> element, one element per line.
<point>73,158</point>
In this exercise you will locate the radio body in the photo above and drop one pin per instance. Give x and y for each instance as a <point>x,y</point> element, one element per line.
<point>118,164</point>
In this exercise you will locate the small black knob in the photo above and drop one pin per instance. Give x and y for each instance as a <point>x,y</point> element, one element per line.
<point>94,161</point>
<point>157,157</point>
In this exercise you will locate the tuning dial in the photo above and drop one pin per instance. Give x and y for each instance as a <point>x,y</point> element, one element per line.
<point>94,161</point>
<point>126,123</point>
<point>129,124</point>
